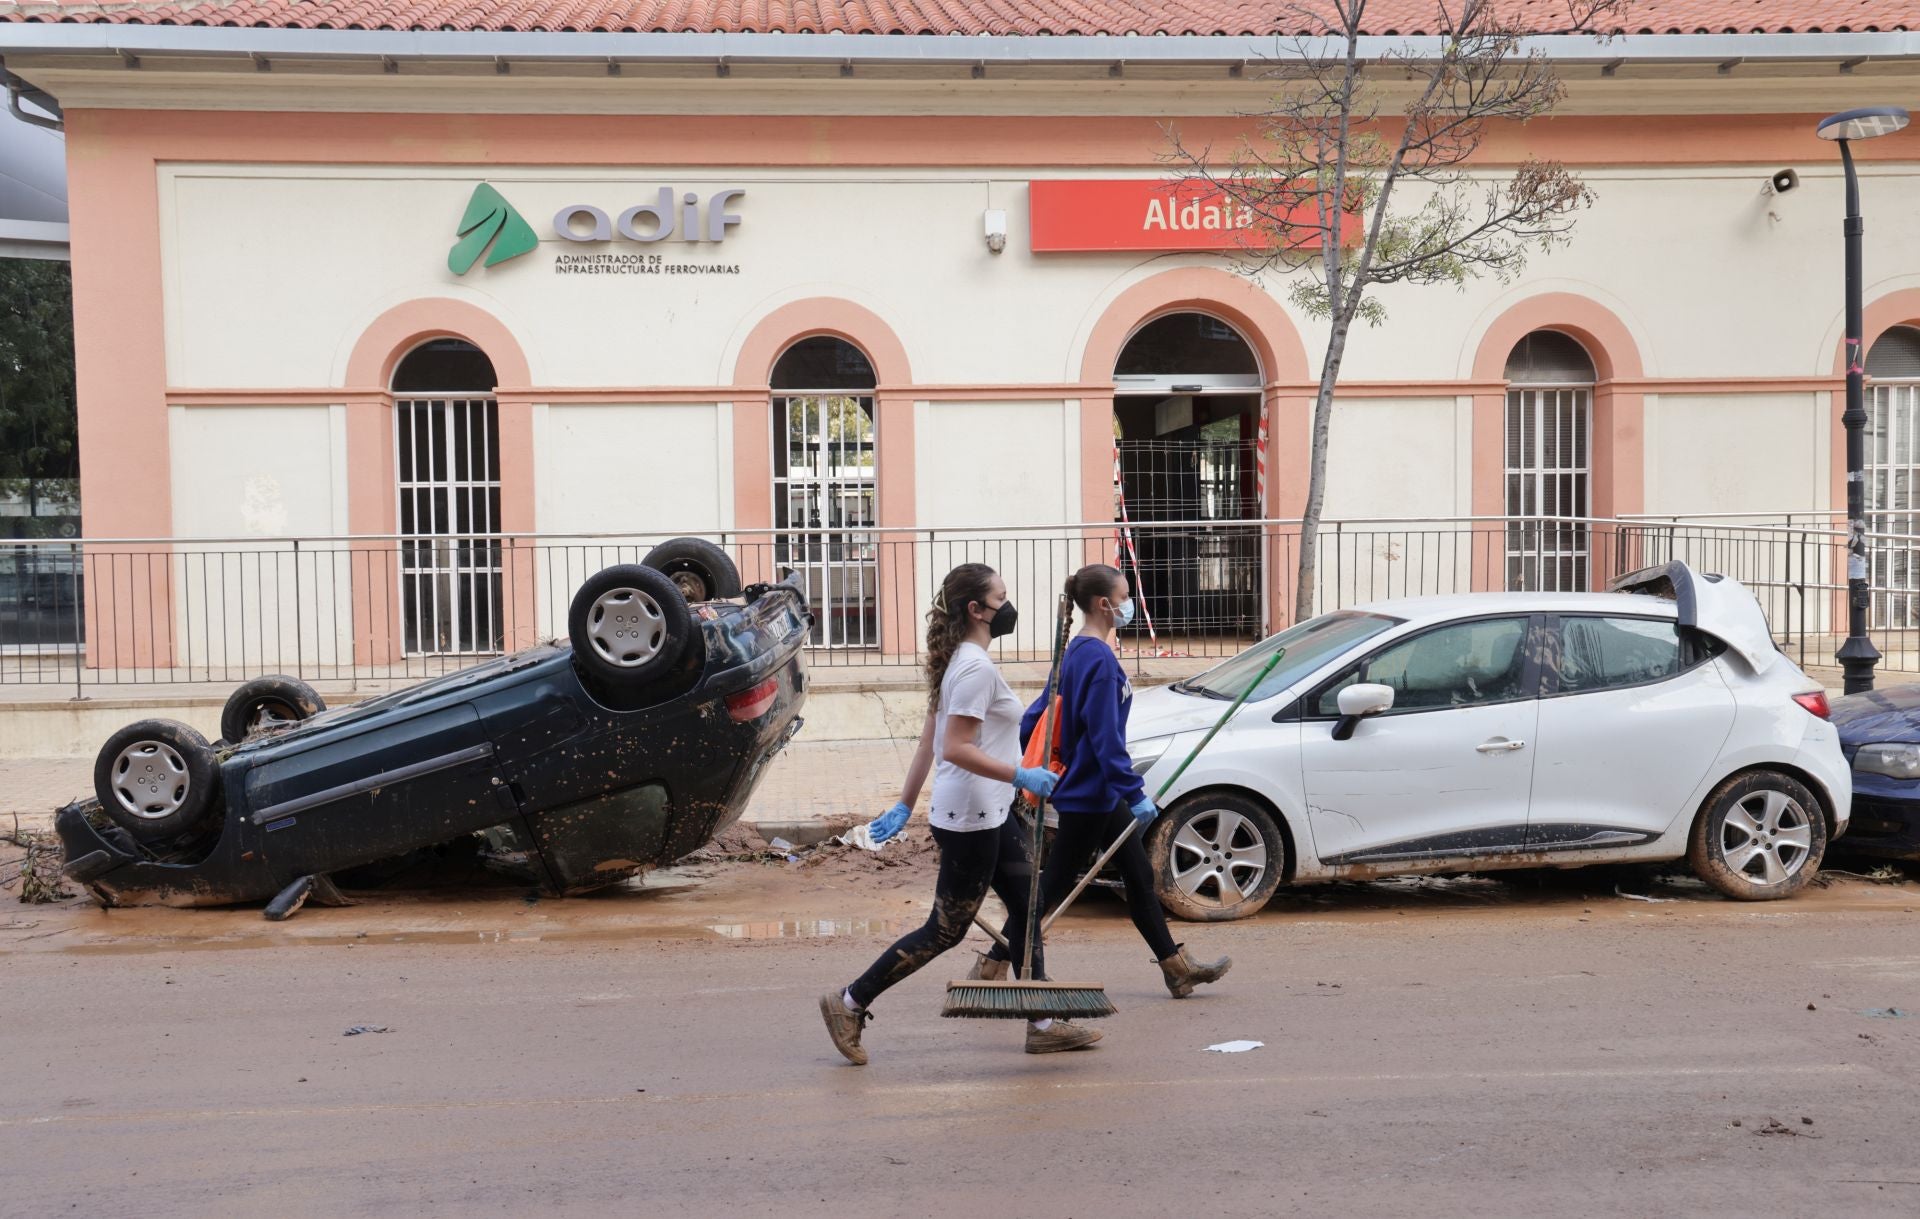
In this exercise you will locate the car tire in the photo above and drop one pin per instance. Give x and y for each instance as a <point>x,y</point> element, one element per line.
<point>1206,839</point>
<point>1759,837</point>
<point>267,703</point>
<point>702,570</point>
<point>156,779</point>
<point>628,625</point>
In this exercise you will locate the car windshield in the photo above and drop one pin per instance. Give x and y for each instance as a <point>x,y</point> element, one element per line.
<point>1307,646</point>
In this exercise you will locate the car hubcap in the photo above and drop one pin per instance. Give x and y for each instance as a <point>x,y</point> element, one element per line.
<point>150,779</point>
<point>1218,858</point>
<point>1766,837</point>
<point>626,627</point>
<point>271,715</point>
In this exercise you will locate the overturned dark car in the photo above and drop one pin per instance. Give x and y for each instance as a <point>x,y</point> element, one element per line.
<point>624,748</point>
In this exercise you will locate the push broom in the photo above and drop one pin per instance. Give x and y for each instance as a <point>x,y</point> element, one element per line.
<point>1023,998</point>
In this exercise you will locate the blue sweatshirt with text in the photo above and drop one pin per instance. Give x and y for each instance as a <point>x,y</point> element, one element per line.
<point>1095,698</point>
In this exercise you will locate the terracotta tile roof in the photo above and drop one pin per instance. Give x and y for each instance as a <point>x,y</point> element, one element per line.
<point>1254,17</point>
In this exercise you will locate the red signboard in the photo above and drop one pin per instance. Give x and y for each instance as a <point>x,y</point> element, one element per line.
<point>1067,215</point>
<point>1081,214</point>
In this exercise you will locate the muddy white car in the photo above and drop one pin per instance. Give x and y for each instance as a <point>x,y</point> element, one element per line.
<point>1499,730</point>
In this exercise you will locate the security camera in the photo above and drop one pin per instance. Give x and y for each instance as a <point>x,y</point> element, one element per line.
<point>995,226</point>
<point>1782,181</point>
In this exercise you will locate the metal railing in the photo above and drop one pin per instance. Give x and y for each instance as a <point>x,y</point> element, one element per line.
<point>120,612</point>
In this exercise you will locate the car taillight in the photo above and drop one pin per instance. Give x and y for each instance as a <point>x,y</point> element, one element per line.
<point>752,703</point>
<point>1815,703</point>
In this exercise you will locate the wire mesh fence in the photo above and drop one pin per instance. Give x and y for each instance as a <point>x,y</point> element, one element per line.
<point>377,611</point>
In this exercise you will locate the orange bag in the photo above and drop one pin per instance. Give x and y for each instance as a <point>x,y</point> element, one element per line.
<point>1037,749</point>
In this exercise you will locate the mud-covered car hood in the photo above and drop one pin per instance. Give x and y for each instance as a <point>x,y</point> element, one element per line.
<point>1878,715</point>
<point>1165,711</point>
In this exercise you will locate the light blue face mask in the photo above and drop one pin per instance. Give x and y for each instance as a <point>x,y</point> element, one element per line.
<point>1123,613</point>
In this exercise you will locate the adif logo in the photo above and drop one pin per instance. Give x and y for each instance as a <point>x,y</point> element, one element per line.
<point>489,220</point>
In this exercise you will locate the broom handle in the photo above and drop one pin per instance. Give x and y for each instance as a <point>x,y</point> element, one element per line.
<point>1107,855</point>
<point>1064,623</point>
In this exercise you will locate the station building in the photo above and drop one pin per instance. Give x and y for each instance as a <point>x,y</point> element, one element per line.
<point>805,275</point>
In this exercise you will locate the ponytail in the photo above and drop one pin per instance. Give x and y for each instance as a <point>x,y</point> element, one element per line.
<point>947,621</point>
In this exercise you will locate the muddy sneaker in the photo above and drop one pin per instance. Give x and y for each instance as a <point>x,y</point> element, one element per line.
<point>986,969</point>
<point>1060,1035</point>
<point>844,1027</point>
<point>1183,973</point>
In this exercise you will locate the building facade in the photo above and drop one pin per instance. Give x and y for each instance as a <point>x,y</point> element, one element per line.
<point>811,292</point>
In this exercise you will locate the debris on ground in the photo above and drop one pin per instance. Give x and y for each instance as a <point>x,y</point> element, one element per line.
<point>1640,897</point>
<point>358,1029</point>
<point>38,867</point>
<point>1235,1047</point>
<point>1885,874</point>
<point>1888,1013</point>
<point>1775,1127</point>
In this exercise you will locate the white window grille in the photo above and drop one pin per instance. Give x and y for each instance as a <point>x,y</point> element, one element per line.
<point>826,490</point>
<point>450,585</point>
<point>1893,477</point>
<point>1549,428</point>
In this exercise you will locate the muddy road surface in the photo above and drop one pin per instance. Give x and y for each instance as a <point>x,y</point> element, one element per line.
<point>1431,1049</point>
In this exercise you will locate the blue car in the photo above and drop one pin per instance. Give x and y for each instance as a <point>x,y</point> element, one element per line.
<point>624,748</point>
<point>1880,735</point>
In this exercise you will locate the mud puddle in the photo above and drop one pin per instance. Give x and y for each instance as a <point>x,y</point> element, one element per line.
<point>811,929</point>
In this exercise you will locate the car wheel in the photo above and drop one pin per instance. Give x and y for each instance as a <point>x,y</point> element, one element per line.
<point>155,779</point>
<point>268,703</point>
<point>702,570</point>
<point>1216,857</point>
<point>1760,836</point>
<point>628,625</point>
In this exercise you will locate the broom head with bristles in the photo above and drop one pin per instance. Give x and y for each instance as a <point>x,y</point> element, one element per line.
<point>1016,1000</point>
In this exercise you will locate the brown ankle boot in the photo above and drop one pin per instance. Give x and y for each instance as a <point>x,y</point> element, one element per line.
<point>1183,973</point>
<point>986,969</point>
<point>844,1027</point>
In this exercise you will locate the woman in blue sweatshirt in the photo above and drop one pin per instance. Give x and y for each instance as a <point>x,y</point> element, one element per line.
<point>1100,796</point>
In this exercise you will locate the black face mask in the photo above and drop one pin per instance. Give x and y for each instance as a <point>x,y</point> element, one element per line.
<point>1003,621</point>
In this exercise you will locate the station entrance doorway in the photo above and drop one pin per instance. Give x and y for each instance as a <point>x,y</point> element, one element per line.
<point>1186,422</point>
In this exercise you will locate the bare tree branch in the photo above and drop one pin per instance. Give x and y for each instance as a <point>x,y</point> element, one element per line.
<point>1364,173</point>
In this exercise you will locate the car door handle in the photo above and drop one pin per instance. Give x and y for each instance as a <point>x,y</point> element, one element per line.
<point>1499,745</point>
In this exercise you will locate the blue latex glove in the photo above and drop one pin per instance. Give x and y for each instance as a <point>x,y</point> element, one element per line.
<point>1036,779</point>
<point>1144,812</point>
<point>889,823</point>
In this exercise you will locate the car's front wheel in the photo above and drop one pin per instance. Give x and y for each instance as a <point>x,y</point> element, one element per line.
<point>628,625</point>
<point>1759,837</point>
<point>155,779</point>
<point>1216,856</point>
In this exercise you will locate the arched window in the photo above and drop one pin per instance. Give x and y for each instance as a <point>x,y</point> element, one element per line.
<point>825,485</point>
<point>1893,473</point>
<point>1186,409</point>
<point>447,444</point>
<point>1549,444</point>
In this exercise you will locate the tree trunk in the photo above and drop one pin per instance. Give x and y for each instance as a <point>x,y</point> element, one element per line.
<point>1317,470</point>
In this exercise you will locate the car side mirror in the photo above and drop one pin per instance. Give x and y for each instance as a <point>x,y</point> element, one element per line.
<point>1359,701</point>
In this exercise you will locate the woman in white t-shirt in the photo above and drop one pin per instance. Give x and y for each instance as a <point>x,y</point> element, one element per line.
<point>972,744</point>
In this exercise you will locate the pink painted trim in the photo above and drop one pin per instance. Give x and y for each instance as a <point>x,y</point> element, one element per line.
<point>1038,142</point>
<point>1619,457</point>
<point>1881,314</point>
<point>893,432</point>
<point>371,475</point>
<point>1232,298</point>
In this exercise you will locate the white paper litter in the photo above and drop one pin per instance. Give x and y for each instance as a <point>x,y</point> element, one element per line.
<point>1235,1047</point>
<point>781,845</point>
<point>860,836</point>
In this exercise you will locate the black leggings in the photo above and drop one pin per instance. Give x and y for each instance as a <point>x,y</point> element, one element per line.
<point>1081,837</point>
<point>971,862</point>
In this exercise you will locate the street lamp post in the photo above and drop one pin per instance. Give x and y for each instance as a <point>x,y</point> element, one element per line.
<point>1857,655</point>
